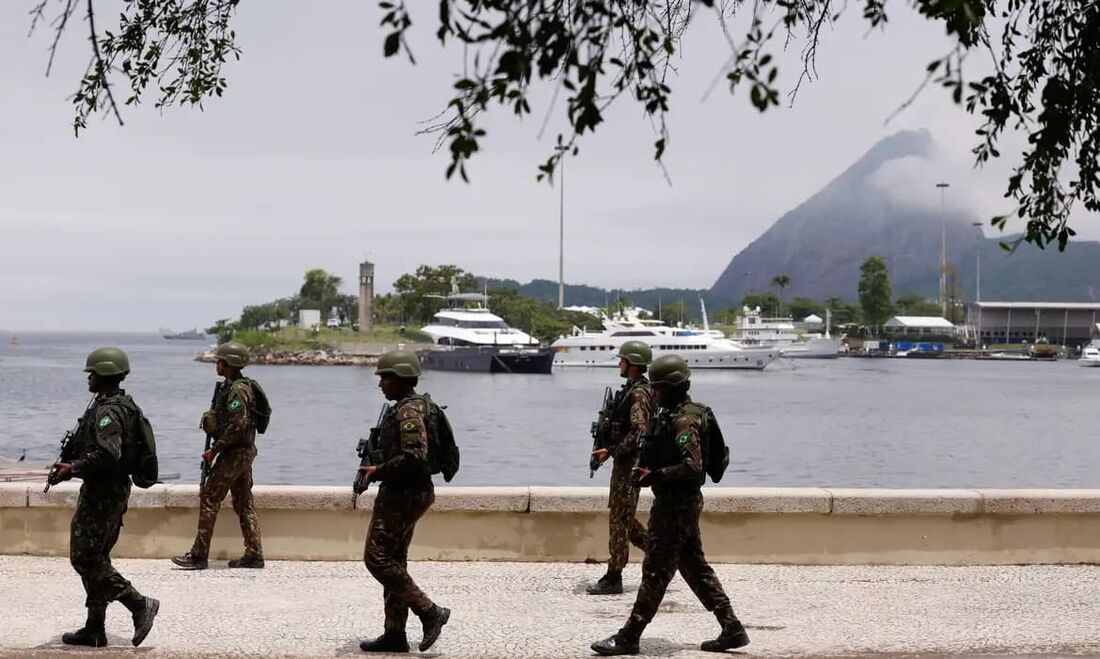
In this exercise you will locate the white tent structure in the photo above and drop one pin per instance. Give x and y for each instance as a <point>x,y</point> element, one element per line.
<point>919,325</point>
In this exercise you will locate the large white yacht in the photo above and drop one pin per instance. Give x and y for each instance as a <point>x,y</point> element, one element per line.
<point>753,330</point>
<point>701,348</point>
<point>467,321</point>
<point>468,337</point>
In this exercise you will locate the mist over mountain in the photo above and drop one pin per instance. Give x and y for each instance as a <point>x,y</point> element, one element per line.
<point>872,209</point>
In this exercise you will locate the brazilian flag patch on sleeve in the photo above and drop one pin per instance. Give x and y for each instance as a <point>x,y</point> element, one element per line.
<point>235,405</point>
<point>408,426</point>
<point>104,422</point>
<point>684,438</point>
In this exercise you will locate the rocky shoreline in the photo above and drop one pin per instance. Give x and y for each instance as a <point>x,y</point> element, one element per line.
<point>301,358</point>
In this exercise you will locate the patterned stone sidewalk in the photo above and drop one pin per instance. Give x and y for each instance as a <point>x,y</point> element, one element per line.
<point>294,609</point>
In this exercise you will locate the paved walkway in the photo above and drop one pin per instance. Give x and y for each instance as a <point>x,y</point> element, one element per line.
<point>294,609</point>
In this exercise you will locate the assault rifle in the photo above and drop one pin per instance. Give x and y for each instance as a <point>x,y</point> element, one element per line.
<point>67,452</point>
<point>601,430</point>
<point>204,466</point>
<point>369,454</point>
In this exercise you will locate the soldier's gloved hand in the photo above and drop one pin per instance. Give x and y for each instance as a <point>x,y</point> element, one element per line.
<point>208,422</point>
<point>601,454</point>
<point>368,471</point>
<point>64,471</point>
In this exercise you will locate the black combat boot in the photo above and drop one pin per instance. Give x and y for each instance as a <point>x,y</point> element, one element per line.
<point>190,562</point>
<point>609,584</point>
<point>387,642</point>
<point>733,633</point>
<point>433,622</point>
<point>93,633</point>
<point>143,610</point>
<point>616,645</point>
<point>253,562</point>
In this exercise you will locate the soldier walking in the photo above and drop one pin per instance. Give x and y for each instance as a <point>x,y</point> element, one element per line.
<point>97,458</point>
<point>405,494</point>
<point>632,409</point>
<point>672,465</point>
<point>230,422</point>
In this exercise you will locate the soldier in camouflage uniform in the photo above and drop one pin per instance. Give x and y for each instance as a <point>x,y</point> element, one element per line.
<point>97,460</point>
<point>634,406</point>
<point>672,464</point>
<point>405,494</point>
<point>235,448</point>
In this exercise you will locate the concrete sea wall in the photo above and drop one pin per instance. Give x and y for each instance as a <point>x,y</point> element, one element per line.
<point>809,526</point>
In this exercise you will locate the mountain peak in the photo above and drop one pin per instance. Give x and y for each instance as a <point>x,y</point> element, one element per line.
<point>903,144</point>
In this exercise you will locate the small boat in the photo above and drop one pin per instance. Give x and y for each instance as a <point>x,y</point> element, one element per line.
<point>189,335</point>
<point>20,471</point>
<point>468,337</point>
<point>1090,356</point>
<point>1008,356</point>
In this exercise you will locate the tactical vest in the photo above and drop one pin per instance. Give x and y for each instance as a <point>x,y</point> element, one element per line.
<point>660,449</point>
<point>221,409</point>
<point>389,437</point>
<point>620,415</point>
<point>442,452</point>
<point>138,457</point>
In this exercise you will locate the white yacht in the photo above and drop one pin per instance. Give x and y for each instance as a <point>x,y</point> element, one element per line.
<point>780,333</point>
<point>468,337</point>
<point>703,348</point>
<point>1090,356</point>
<point>467,321</point>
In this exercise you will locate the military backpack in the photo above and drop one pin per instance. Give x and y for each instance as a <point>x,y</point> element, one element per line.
<point>260,412</point>
<point>139,445</point>
<point>716,453</point>
<point>442,450</point>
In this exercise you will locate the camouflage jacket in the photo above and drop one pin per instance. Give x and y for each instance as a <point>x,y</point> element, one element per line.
<point>632,418</point>
<point>233,422</point>
<point>404,443</point>
<point>674,450</point>
<point>98,450</point>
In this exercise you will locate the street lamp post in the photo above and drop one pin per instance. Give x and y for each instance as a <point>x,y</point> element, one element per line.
<point>943,248</point>
<point>978,279</point>
<point>561,227</point>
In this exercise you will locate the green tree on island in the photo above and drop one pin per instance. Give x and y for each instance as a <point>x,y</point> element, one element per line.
<point>874,292</point>
<point>767,302</point>
<point>844,314</point>
<point>1039,73</point>
<point>912,304</point>
<point>320,290</point>
<point>780,282</point>
<point>800,307</point>
<point>413,289</point>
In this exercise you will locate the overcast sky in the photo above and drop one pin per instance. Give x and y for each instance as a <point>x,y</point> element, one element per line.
<point>311,160</point>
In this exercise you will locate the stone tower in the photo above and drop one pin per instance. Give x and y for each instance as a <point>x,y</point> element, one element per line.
<point>366,296</point>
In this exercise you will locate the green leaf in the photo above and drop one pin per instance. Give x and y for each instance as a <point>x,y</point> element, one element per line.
<point>392,44</point>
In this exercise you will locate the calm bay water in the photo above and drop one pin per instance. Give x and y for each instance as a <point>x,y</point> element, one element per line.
<point>848,422</point>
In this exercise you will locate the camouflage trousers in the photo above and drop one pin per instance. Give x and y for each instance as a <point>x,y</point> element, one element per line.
<point>392,522</point>
<point>624,527</point>
<point>675,544</point>
<point>93,532</point>
<point>232,474</point>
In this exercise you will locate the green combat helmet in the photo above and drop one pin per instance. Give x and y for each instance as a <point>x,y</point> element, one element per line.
<point>107,361</point>
<point>233,353</point>
<point>636,353</point>
<point>402,363</point>
<point>669,370</point>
